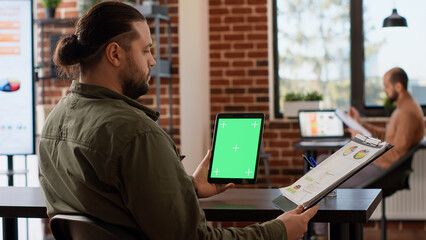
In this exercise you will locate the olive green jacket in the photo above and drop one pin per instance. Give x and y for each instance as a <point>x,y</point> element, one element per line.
<point>103,155</point>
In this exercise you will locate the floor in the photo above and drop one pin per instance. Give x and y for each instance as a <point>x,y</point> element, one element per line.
<point>395,234</point>
<point>396,230</point>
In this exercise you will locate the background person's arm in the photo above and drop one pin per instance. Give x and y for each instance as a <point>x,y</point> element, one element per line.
<point>402,136</point>
<point>377,132</point>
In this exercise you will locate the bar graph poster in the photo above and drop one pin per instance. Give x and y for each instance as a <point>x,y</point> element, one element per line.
<point>16,78</point>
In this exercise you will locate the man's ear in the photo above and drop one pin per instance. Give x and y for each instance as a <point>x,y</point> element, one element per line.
<point>398,87</point>
<point>114,54</point>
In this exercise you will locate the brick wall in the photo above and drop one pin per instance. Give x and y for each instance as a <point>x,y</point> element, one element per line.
<point>239,79</point>
<point>50,90</point>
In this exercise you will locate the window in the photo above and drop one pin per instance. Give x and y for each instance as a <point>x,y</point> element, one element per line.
<point>335,46</point>
<point>313,50</point>
<point>385,48</point>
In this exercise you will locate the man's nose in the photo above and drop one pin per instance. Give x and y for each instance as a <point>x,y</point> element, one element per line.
<point>152,62</point>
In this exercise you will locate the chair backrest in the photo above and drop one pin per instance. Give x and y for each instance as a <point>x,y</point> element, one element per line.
<point>68,227</point>
<point>396,177</point>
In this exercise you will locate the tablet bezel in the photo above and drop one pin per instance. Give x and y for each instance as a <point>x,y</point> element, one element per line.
<point>233,116</point>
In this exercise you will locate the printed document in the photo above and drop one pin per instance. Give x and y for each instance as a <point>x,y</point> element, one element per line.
<point>351,123</point>
<point>333,171</point>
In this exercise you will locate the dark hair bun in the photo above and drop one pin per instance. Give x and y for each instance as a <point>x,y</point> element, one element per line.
<point>68,51</point>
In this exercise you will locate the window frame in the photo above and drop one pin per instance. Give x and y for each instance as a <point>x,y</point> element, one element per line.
<point>357,63</point>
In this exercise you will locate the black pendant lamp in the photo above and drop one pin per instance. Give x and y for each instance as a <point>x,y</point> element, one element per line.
<point>395,20</point>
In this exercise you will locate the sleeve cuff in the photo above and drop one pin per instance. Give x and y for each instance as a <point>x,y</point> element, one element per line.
<point>275,229</point>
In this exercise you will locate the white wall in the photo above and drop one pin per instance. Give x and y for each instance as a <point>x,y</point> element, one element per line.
<point>194,81</point>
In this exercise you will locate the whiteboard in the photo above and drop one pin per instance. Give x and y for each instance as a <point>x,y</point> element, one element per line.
<point>16,78</point>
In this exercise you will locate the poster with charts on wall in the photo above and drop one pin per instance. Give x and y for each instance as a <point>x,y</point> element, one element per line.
<point>330,173</point>
<point>16,78</point>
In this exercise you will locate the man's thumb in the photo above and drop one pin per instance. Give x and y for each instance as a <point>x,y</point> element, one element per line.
<point>297,210</point>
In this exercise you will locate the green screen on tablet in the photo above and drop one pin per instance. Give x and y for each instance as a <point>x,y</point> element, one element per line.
<point>236,147</point>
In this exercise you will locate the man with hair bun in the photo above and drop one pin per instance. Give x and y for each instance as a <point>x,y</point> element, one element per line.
<point>103,155</point>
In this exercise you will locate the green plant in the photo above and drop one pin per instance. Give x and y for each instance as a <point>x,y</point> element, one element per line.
<point>312,96</point>
<point>50,3</point>
<point>291,96</point>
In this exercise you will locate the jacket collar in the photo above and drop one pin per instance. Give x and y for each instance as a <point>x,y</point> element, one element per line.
<point>95,91</point>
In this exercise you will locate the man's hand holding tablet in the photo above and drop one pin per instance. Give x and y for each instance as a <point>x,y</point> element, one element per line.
<point>204,188</point>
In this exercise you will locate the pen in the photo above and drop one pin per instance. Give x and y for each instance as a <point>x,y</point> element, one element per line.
<point>307,160</point>
<point>313,161</point>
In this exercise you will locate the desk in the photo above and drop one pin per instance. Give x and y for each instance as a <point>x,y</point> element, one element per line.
<point>15,202</point>
<point>346,212</point>
<point>26,202</point>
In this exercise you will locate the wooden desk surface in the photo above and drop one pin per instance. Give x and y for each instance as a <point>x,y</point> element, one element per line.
<point>350,205</point>
<point>25,202</point>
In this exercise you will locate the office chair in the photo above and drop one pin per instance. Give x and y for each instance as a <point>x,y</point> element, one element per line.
<point>78,227</point>
<point>393,179</point>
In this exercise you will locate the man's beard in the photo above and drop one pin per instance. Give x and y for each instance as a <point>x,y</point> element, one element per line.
<point>392,99</point>
<point>135,82</point>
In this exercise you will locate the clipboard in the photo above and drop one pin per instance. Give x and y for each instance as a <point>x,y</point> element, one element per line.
<point>331,173</point>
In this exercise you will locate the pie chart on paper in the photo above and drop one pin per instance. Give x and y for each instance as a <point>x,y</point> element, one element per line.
<point>9,85</point>
<point>350,150</point>
<point>361,154</point>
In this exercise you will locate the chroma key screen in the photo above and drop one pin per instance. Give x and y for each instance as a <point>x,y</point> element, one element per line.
<point>235,148</point>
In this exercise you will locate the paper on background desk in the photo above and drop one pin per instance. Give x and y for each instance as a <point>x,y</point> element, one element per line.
<point>351,123</point>
<point>315,184</point>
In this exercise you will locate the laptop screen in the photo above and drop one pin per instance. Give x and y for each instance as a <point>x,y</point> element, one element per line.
<point>320,124</point>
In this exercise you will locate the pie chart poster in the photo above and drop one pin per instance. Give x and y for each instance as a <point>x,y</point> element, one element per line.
<point>16,78</point>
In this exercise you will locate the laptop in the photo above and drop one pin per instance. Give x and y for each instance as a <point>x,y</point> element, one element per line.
<point>321,126</point>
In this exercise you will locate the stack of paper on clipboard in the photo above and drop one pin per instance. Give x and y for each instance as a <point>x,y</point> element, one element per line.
<point>333,171</point>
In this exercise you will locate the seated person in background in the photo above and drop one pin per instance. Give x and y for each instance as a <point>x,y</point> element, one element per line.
<point>404,130</point>
<point>103,155</point>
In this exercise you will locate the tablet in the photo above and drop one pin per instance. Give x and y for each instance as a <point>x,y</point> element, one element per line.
<point>236,147</point>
